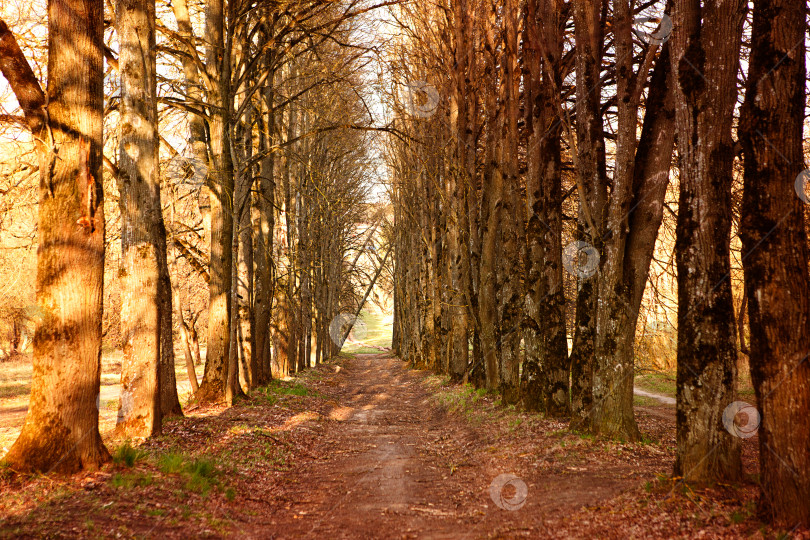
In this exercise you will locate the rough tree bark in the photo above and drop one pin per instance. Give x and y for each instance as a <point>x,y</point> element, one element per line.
<point>775,262</point>
<point>457,250</point>
<point>546,366</point>
<point>264,224</point>
<point>139,411</point>
<point>212,389</point>
<point>592,186</point>
<point>169,400</point>
<point>60,432</point>
<point>613,373</point>
<point>491,203</point>
<point>633,217</point>
<point>705,55</point>
<point>509,293</point>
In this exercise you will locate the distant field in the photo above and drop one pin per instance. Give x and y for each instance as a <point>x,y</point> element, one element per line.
<point>378,330</point>
<point>663,383</point>
<point>15,387</point>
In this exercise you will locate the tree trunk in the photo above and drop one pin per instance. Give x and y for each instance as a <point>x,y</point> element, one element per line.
<point>458,250</point>
<point>212,389</point>
<point>705,55</point>
<point>491,203</point>
<point>232,387</point>
<point>546,367</point>
<point>245,289</point>
<point>613,372</point>
<point>653,158</point>
<point>775,262</point>
<point>169,400</point>
<point>60,432</point>
<point>264,224</point>
<point>509,270</point>
<point>139,411</point>
<point>592,187</point>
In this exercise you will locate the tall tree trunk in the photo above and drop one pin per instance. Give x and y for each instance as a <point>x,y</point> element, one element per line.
<point>212,389</point>
<point>475,371</point>
<point>60,432</point>
<point>592,187</point>
<point>653,158</point>
<point>283,327</point>
<point>245,290</point>
<point>775,262</point>
<point>613,372</point>
<point>546,367</point>
<point>509,283</point>
<point>458,250</point>
<point>139,411</point>
<point>264,224</point>
<point>705,56</point>
<point>232,387</point>
<point>492,191</point>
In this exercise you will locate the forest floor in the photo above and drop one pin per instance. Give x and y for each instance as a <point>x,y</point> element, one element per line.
<point>364,447</point>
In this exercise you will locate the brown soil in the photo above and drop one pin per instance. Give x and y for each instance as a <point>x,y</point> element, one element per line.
<point>381,451</point>
<point>401,467</point>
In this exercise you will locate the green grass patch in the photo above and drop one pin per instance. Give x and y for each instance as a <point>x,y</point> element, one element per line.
<point>171,463</point>
<point>644,401</point>
<point>200,474</point>
<point>277,390</point>
<point>127,455</point>
<point>462,398</point>
<point>365,350</point>
<point>657,382</point>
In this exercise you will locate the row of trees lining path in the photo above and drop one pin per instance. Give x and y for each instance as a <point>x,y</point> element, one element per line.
<point>266,210</point>
<point>531,200</point>
<point>533,116</point>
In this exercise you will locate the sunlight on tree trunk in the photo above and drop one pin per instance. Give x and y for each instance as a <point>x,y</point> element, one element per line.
<point>60,432</point>
<point>139,411</point>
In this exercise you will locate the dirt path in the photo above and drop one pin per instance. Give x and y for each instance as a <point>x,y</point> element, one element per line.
<point>666,400</point>
<point>398,466</point>
<point>381,479</point>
